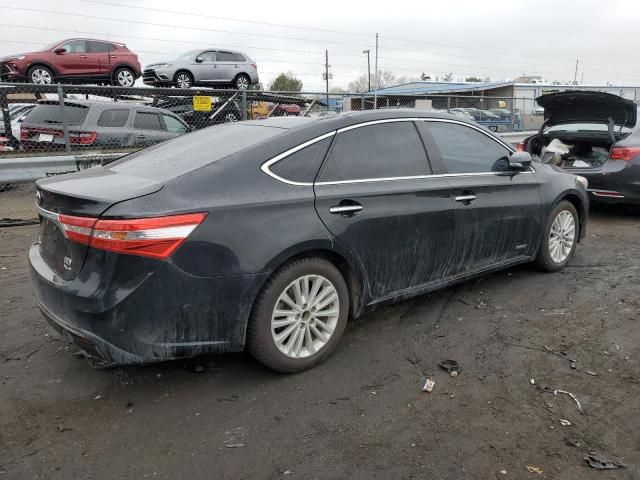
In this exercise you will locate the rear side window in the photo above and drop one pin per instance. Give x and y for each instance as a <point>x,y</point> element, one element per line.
<point>466,150</point>
<point>303,165</point>
<point>113,118</point>
<point>383,150</point>
<point>174,125</point>
<point>52,114</point>
<point>147,121</point>
<point>225,57</point>
<point>239,58</point>
<point>99,47</point>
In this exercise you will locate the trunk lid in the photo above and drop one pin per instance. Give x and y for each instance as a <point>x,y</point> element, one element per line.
<point>587,107</point>
<point>84,194</point>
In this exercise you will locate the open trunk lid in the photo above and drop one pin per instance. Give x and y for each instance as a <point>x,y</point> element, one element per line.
<point>84,194</point>
<point>587,107</point>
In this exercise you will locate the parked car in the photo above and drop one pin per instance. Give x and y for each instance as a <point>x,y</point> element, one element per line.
<point>17,113</point>
<point>222,111</point>
<point>78,60</point>
<point>269,234</point>
<point>210,67</point>
<point>98,124</point>
<point>595,135</point>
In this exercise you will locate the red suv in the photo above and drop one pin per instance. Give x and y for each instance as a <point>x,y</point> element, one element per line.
<point>76,60</point>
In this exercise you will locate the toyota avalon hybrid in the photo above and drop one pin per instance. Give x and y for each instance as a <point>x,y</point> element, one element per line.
<point>268,235</point>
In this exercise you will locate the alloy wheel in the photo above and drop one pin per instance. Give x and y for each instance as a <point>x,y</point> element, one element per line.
<point>242,83</point>
<point>305,316</point>
<point>125,78</point>
<point>562,236</point>
<point>41,76</point>
<point>183,80</point>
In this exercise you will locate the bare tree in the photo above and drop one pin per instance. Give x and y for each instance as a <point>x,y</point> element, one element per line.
<point>384,79</point>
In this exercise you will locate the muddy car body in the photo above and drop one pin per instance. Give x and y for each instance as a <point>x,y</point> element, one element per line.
<point>225,238</point>
<point>594,135</point>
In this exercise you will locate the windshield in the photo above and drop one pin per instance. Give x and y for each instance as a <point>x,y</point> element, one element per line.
<point>189,55</point>
<point>50,47</point>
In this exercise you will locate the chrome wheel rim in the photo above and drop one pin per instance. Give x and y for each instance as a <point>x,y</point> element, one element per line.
<point>41,76</point>
<point>242,83</point>
<point>125,78</point>
<point>183,80</point>
<point>305,316</point>
<point>562,236</point>
<point>230,117</point>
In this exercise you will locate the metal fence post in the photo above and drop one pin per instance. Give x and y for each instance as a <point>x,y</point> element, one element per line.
<point>448,104</point>
<point>244,105</point>
<point>6,119</point>
<point>65,127</point>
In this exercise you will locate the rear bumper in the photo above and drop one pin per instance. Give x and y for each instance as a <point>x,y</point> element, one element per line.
<point>149,313</point>
<point>615,186</point>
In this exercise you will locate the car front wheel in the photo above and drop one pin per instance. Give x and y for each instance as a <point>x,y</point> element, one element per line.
<point>40,75</point>
<point>560,238</point>
<point>183,80</point>
<point>300,316</point>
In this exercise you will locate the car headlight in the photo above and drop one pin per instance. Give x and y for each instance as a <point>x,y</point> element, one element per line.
<point>20,57</point>
<point>582,181</point>
<point>162,65</point>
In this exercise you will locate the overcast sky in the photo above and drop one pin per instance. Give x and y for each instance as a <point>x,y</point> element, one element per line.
<point>500,39</point>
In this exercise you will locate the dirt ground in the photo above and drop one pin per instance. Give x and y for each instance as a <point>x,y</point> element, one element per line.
<point>362,413</point>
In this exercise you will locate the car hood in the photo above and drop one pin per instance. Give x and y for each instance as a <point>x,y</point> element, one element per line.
<point>587,107</point>
<point>9,57</point>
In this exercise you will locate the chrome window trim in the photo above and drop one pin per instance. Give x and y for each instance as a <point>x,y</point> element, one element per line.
<point>265,167</point>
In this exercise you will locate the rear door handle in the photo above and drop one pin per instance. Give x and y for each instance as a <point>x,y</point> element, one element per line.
<point>141,137</point>
<point>465,198</point>
<point>346,209</point>
<point>83,56</point>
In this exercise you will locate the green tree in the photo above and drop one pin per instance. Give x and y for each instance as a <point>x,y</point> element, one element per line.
<point>286,82</point>
<point>472,79</point>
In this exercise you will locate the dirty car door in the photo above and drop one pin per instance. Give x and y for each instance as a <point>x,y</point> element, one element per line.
<point>374,193</point>
<point>498,211</point>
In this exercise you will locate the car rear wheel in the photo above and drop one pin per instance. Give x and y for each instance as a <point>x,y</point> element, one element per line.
<point>183,80</point>
<point>242,82</point>
<point>299,317</point>
<point>124,77</point>
<point>40,75</point>
<point>560,238</point>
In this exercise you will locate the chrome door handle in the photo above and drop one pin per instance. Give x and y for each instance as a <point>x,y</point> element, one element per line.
<point>465,198</point>
<point>341,209</point>
<point>83,56</point>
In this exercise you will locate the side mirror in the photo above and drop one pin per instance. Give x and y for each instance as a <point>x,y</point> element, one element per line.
<point>59,51</point>
<point>199,59</point>
<point>520,161</point>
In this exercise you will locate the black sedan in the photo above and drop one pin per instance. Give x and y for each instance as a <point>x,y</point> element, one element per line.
<point>595,135</point>
<point>268,235</point>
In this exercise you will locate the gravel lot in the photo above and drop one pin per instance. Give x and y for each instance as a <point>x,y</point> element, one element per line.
<point>361,414</point>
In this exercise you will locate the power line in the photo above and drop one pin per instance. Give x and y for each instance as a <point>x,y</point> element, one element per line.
<point>255,22</point>
<point>184,27</point>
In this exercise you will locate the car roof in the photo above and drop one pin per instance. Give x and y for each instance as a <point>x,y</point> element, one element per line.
<point>91,40</point>
<point>103,105</point>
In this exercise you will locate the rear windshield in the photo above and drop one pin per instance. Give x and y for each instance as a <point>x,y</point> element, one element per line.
<point>194,150</point>
<point>52,113</point>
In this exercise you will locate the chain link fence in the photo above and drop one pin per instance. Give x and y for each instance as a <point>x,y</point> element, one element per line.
<point>54,129</point>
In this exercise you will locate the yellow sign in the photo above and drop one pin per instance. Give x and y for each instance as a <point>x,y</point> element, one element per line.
<point>201,104</point>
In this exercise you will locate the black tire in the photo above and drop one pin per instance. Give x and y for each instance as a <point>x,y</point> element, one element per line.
<point>45,72</point>
<point>260,342</point>
<point>242,82</point>
<point>183,79</point>
<point>231,117</point>
<point>544,260</point>
<point>123,74</point>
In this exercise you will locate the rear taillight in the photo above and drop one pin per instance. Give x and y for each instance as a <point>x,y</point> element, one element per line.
<point>82,138</point>
<point>25,133</point>
<point>254,65</point>
<point>155,237</point>
<point>520,147</point>
<point>624,153</point>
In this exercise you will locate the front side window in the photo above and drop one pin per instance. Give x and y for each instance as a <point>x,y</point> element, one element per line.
<point>208,56</point>
<point>382,150</point>
<point>174,125</point>
<point>303,165</point>
<point>113,118</point>
<point>75,46</point>
<point>466,150</point>
<point>147,121</point>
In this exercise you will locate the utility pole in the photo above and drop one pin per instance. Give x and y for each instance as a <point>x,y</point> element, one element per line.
<point>375,95</point>
<point>326,74</point>
<point>368,68</point>
<point>575,75</point>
